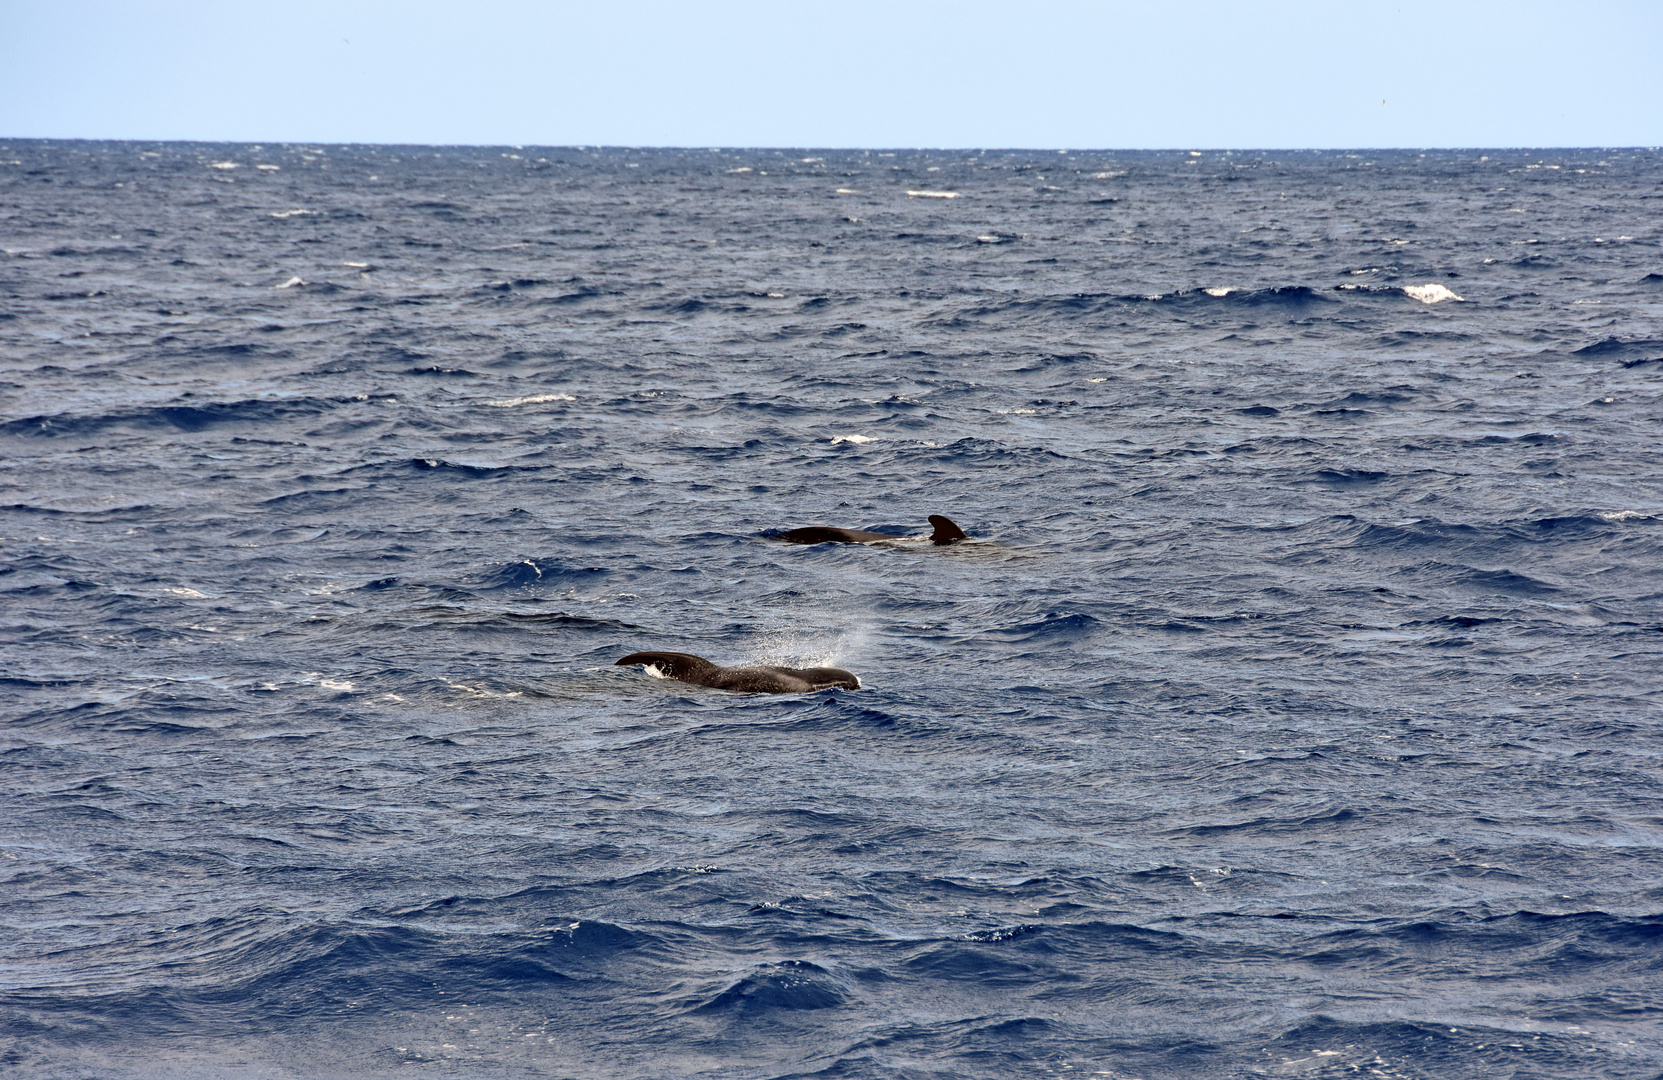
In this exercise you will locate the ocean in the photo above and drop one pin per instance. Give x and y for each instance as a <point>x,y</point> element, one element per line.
<point>1293,710</point>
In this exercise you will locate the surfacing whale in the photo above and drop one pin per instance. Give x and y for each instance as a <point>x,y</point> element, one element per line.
<point>945,533</point>
<point>746,680</point>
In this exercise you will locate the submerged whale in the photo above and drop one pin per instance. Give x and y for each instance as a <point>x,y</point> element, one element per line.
<point>945,533</point>
<point>746,680</point>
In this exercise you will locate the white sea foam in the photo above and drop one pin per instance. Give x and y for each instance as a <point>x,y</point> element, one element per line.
<point>847,191</point>
<point>933,194</point>
<point>357,265</point>
<point>1624,515</point>
<point>224,166</point>
<point>292,213</point>
<point>269,168</point>
<point>529,399</point>
<point>1218,291</point>
<point>858,440</point>
<point>1430,293</point>
<point>741,169</point>
<point>291,283</point>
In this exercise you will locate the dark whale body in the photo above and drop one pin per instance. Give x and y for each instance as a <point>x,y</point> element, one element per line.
<point>746,680</point>
<point>945,533</point>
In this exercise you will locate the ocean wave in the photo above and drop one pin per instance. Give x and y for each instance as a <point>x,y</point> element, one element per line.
<point>1431,293</point>
<point>1069,626</point>
<point>1637,349</point>
<point>1302,655</point>
<point>529,399</point>
<point>186,418</point>
<point>539,574</point>
<point>783,986</point>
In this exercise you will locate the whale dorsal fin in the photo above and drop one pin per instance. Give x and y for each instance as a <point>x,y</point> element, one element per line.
<point>945,531</point>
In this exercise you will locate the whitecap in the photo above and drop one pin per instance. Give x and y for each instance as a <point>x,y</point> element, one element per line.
<point>856,439</point>
<point>476,691</point>
<point>291,283</point>
<point>1624,515</point>
<point>224,166</point>
<point>1430,293</point>
<point>933,194</point>
<point>529,399</point>
<point>269,168</point>
<point>1218,291</point>
<point>292,213</point>
<point>741,169</point>
<point>847,191</point>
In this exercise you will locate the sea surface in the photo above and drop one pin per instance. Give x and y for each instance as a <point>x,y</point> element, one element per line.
<point>1293,712</point>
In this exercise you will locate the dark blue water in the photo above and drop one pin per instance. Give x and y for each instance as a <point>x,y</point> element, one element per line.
<point>1294,713</point>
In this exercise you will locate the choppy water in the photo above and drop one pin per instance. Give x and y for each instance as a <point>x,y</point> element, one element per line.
<point>1295,714</point>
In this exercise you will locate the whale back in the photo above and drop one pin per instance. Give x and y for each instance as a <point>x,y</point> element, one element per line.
<point>820,677</point>
<point>946,532</point>
<point>752,680</point>
<point>782,680</point>
<point>827,534</point>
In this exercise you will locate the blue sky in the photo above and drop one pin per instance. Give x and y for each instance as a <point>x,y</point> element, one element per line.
<point>1042,73</point>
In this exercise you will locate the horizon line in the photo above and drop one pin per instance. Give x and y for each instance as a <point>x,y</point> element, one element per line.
<point>782,148</point>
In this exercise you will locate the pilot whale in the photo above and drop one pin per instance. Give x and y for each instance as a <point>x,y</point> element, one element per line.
<point>745,680</point>
<point>945,533</point>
